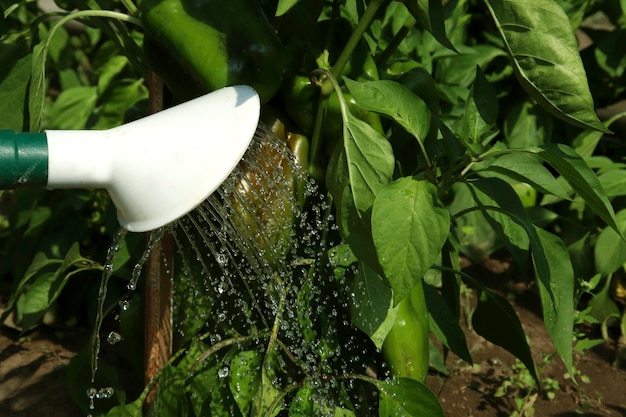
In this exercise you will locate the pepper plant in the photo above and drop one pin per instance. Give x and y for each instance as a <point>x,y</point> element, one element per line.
<point>432,130</point>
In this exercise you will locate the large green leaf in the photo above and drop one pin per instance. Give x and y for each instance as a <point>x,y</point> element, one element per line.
<point>495,320</point>
<point>429,14</point>
<point>370,161</point>
<point>551,262</point>
<point>526,168</point>
<point>581,178</point>
<point>14,81</point>
<point>539,38</point>
<point>245,378</point>
<point>527,124</point>
<point>371,308</point>
<point>610,248</point>
<point>395,101</point>
<point>407,397</point>
<point>409,227</point>
<point>481,109</point>
<point>557,299</point>
<point>444,325</point>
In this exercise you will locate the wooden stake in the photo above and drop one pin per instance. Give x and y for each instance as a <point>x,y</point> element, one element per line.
<point>159,275</point>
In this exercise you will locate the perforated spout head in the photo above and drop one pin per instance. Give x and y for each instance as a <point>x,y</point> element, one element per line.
<point>156,169</point>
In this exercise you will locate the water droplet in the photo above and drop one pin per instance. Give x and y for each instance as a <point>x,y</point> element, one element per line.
<point>124,304</point>
<point>223,372</point>
<point>222,259</point>
<point>106,392</point>
<point>114,338</point>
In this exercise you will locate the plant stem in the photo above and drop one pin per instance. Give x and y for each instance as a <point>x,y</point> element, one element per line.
<point>364,23</point>
<point>396,41</point>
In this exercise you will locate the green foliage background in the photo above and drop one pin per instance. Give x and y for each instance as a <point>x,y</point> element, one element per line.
<point>437,130</point>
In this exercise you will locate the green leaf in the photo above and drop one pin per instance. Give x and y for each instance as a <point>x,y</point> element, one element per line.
<point>134,409</point>
<point>14,90</point>
<point>429,14</point>
<point>540,41</point>
<point>395,101</point>
<point>169,401</point>
<point>526,168</point>
<point>613,182</point>
<point>73,108</point>
<point>120,97</point>
<point>407,397</point>
<point>206,385</point>
<point>46,288</point>
<point>527,125</point>
<point>557,300</point>
<point>581,178</point>
<point>284,6</point>
<point>610,248</point>
<point>444,325</point>
<point>481,108</point>
<point>245,378</point>
<point>355,228</point>
<point>37,86</point>
<point>371,308</point>
<point>553,268</point>
<point>370,161</point>
<point>585,143</point>
<point>264,403</point>
<point>302,405</point>
<point>409,227</point>
<point>111,68</point>
<point>602,306</point>
<point>495,320</point>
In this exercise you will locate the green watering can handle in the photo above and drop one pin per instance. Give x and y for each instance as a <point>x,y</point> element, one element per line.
<point>23,159</point>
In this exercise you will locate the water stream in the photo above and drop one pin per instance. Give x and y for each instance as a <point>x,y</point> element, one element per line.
<point>245,257</point>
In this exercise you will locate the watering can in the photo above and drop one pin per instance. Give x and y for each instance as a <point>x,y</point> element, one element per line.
<point>155,169</point>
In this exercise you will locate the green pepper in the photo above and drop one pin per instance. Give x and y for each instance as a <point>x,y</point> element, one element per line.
<point>269,193</point>
<point>302,100</point>
<point>406,346</point>
<point>215,43</point>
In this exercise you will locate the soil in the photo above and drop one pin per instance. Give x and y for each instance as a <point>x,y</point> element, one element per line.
<point>32,372</point>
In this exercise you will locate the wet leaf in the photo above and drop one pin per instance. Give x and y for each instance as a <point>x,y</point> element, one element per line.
<point>409,227</point>
<point>371,308</point>
<point>265,400</point>
<point>170,400</point>
<point>407,397</point>
<point>245,378</point>
<point>302,405</point>
<point>540,41</point>
<point>365,164</point>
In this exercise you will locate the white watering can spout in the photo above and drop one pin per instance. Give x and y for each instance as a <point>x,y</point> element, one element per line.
<point>156,169</point>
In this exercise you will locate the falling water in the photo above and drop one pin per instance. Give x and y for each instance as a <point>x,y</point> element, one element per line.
<point>247,252</point>
<point>102,294</point>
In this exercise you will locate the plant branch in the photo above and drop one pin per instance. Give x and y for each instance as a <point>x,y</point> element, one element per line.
<point>357,34</point>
